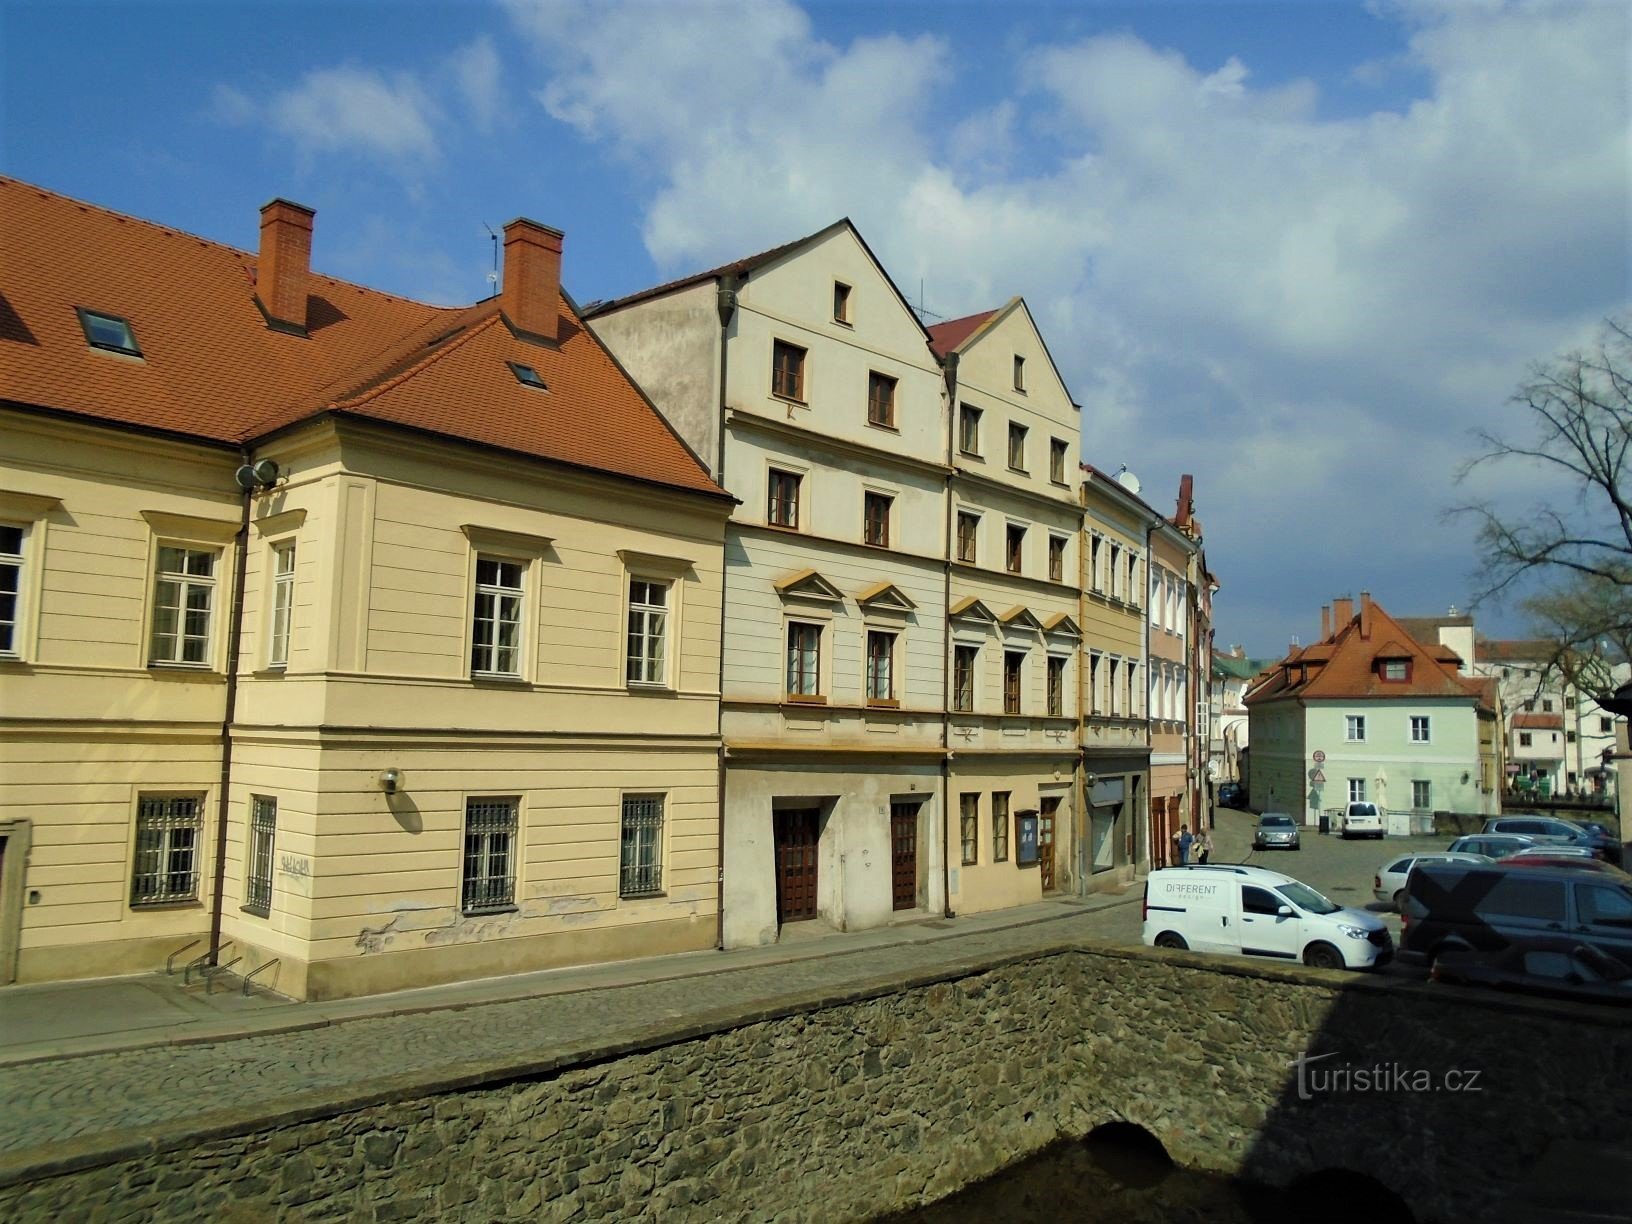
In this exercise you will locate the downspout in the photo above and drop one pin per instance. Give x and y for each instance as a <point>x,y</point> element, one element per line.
<point>234,643</point>
<point>950,365</point>
<point>726,302</point>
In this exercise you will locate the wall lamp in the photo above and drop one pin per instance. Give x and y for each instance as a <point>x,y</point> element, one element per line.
<point>390,780</point>
<point>1465,777</point>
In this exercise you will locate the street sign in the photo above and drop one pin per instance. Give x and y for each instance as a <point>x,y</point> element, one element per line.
<point>1318,777</point>
<point>1320,757</point>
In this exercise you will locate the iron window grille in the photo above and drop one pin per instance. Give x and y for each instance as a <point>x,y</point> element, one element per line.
<point>880,656</point>
<point>969,824</point>
<point>489,878</point>
<point>263,827</point>
<point>183,595</point>
<point>963,677</point>
<point>11,586</point>
<point>167,837</point>
<point>648,630</point>
<point>804,660</point>
<point>495,640</point>
<point>782,504</point>
<point>880,400</point>
<point>640,871</point>
<point>1000,826</point>
<point>1013,660</point>
<point>283,603</point>
<point>876,519</point>
<point>968,533</point>
<point>787,370</point>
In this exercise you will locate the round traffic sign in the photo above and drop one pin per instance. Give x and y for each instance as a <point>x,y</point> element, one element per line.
<point>1320,757</point>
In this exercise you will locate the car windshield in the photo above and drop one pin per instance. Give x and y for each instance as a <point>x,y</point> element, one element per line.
<point>1306,898</point>
<point>1278,821</point>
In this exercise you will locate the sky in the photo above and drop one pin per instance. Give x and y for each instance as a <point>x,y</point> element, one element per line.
<point>1297,250</point>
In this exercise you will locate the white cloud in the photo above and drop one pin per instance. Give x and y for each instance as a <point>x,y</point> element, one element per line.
<point>479,79</point>
<point>349,108</point>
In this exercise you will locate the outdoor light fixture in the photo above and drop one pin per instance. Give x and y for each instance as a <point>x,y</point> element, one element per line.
<point>1465,776</point>
<point>390,780</point>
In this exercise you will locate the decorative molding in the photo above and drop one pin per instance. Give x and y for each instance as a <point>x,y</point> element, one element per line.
<point>655,563</point>
<point>972,609</point>
<point>1019,617</point>
<point>280,524</point>
<point>190,527</point>
<point>885,596</point>
<point>497,538</point>
<point>1062,624</point>
<point>808,584</point>
<point>27,507</point>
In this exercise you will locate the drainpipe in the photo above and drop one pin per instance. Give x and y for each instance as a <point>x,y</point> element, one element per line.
<point>949,543</point>
<point>234,642</point>
<point>726,302</point>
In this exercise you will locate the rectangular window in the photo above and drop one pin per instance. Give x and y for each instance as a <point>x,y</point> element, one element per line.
<point>880,672</point>
<point>787,370</point>
<point>1000,826</point>
<point>183,598</point>
<point>1605,726</point>
<point>1056,460</point>
<point>1354,728</point>
<point>1019,372</point>
<point>841,302</point>
<point>1015,550</point>
<point>640,856</point>
<point>1114,705</point>
<point>1419,729</point>
<point>11,588</point>
<point>1396,671</point>
<point>1096,699</point>
<point>1422,795</point>
<point>782,502</point>
<point>495,638</point>
<point>263,828</point>
<point>1013,662</point>
<point>963,677</point>
<point>1056,558</point>
<point>489,878</point>
<point>105,331</point>
<point>283,603</point>
<point>880,400</point>
<point>968,532</point>
<point>1093,562</point>
<point>1056,686</point>
<point>648,631</point>
<point>1133,583</point>
<point>1017,447</point>
<point>875,515</point>
<point>1524,739</point>
<point>804,660</point>
<point>1113,584</point>
<point>167,845</point>
<point>1569,737</point>
<point>968,429</point>
<point>1357,790</point>
<point>1546,705</point>
<point>969,826</point>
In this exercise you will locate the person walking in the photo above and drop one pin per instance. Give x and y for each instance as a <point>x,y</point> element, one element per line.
<point>1204,846</point>
<point>1184,840</point>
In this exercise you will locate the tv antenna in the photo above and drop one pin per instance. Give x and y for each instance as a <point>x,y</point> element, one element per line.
<point>493,276</point>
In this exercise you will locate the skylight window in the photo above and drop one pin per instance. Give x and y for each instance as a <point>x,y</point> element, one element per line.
<point>526,375</point>
<point>105,331</point>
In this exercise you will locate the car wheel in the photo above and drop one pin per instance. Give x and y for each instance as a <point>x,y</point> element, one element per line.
<point>1322,956</point>
<point>1297,845</point>
<point>1399,901</point>
<point>1170,939</point>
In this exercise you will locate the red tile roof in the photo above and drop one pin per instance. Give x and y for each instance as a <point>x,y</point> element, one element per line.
<point>212,369</point>
<point>1538,722</point>
<point>945,337</point>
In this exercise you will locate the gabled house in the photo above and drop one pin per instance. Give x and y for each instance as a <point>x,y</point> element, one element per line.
<point>1233,674</point>
<point>358,643</point>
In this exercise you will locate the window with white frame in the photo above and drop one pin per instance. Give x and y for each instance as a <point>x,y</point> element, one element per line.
<point>495,623</point>
<point>1113,582</point>
<point>1014,662</point>
<point>488,881</point>
<point>263,830</point>
<point>11,589</point>
<point>283,603</point>
<point>1419,729</point>
<point>169,830</point>
<point>1093,562</point>
<point>183,605</point>
<point>1357,790</point>
<point>1096,701</point>
<point>1524,739</point>
<point>640,846</point>
<point>1112,666</point>
<point>648,631</point>
<point>1354,728</point>
<point>968,536</point>
<point>804,678</point>
<point>1422,794</point>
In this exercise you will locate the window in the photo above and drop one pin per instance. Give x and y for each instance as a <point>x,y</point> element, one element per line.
<point>1056,686</point>
<point>11,588</point>
<point>1014,553</point>
<point>283,603</point>
<point>1394,670</point>
<point>804,660</point>
<point>880,400</point>
<point>880,673</point>
<point>1259,901</point>
<point>1601,905</point>
<point>648,629</point>
<point>1605,726</point>
<point>1019,372</point>
<point>1354,728</point>
<point>167,844</point>
<point>1546,705</point>
<point>787,370</point>
<point>1530,705</point>
<point>640,855</point>
<point>875,515</point>
<point>1524,739</point>
<point>105,331</point>
<point>1422,795</point>
<point>1419,729</point>
<point>968,429</point>
<point>1013,661</point>
<point>1056,460</point>
<point>841,302</point>
<point>1017,447</point>
<point>969,826</point>
<point>1515,896</point>
<point>1113,586</point>
<point>1133,585</point>
<point>489,878</point>
<point>183,594</point>
<point>1056,558</point>
<point>1096,701</point>
<point>1357,790</point>
<point>968,530</point>
<point>527,376</point>
<point>963,677</point>
<point>495,638</point>
<point>1093,562</point>
<point>263,827</point>
<point>1113,703</point>
<point>782,504</point>
<point>1569,737</point>
<point>1000,826</point>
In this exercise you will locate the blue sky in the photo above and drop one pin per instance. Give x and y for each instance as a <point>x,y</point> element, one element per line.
<point>1298,250</point>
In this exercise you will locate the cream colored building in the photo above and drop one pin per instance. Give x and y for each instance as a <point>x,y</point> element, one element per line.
<point>359,643</point>
<point>1168,689</point>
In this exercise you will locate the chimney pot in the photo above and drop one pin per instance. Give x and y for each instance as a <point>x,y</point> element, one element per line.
<point>531,298</point>
<point>283,271</point>
<point>1342,613</point>
<point>1365,615</point>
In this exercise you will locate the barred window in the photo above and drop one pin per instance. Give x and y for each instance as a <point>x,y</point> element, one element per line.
<point>283,603</point>
<point>489,882</point>
<point>640,869</point>
<point>183,595</point>
<point>969,820</point>
<point>648,630</point>
<point>263,827</point>
<point>11,586</point>
<point>1000,826</point>
<point>167,840</point>
<point>495,640</point>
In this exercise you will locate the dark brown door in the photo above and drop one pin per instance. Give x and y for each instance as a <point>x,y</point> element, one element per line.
<point>1045,842</point>
<point>797,833</point>
<point>904,855</point>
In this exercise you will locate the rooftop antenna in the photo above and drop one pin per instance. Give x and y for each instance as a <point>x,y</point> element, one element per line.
<point>923,311</point>
<point>493,276</point>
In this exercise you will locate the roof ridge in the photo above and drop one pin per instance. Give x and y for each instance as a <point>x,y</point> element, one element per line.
<point>429,359</point>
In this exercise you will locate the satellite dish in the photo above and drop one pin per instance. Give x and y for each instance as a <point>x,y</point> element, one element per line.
<point>1128,481</point>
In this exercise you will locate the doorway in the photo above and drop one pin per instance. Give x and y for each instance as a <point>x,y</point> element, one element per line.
<point>797,832</point>
<point>1048,810</point>
<point>14,839</point>
<point>904,856</point>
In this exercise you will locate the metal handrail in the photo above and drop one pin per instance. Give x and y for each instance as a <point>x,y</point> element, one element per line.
<point>209,974</point>
<point>251,974</point>
<point>198,961</point>
<point>170,961</point>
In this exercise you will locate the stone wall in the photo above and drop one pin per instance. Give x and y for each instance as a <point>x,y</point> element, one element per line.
<point>843,1108</point>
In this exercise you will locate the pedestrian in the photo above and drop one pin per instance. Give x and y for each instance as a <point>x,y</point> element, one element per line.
<point>1204,847</point>
<point>1184,839</point>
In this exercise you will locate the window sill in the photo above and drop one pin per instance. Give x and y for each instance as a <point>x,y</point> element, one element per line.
<point>883,703</point>
<point>166,665</point>
<point>150,907</point>
<point>875,543</point>
<point>256,910</point>
<point>790,528</point>
<point>804,699</point>
<point>502,678</point>
<point>649,688</point>
<point>971,454</point>
<point>884,425</point>
<point>845,323</point>
<point>270,673</point>
<point>642,896</point>
<point>488,912</point>
<point>790,399</point>
<point>1019,471</point>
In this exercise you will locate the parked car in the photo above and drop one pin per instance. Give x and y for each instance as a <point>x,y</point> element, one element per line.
<point>1252,911</point>
<point>1559,968</point>
<point>1489,908</point>
<point>1362,820</point>
<point>1232,795</point>
<point>1493,845</point>
<point>1577,857</point>
<point>1551,828</point>
<point>1389,882</point>
<point>1275,830</point>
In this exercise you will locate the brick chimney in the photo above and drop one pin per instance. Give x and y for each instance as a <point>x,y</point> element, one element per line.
<point>284,270</point>
<point>530,299</point>
<point>1342,613</point>
<point>1325,621</point>
<point>1365,616</point>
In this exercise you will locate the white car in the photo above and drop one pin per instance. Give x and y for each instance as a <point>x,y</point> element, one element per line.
<point>1252,911</point>
<point>1362,820</point>
<point>1389,882</point>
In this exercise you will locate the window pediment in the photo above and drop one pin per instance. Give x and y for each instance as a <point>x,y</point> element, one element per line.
<point>1019,617</point>
<point>496,539</point>
<point>885,597</point>
<point>1062,624</point>
<point>280,524</point>
<point>191,527</point>
<point>808,584</point>
<point>971,609</point>
<point>654,563</point>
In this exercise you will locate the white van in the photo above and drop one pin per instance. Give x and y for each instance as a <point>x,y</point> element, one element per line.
<point>1362,820</point>
<point>1251,911</point>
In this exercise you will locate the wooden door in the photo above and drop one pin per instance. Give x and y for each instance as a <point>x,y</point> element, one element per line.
<point>797,833</point>
<point>1045,841</point>
<point>904,855</point>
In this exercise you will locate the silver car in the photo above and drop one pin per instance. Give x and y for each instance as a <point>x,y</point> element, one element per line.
<point>1275,831</point>
<point>1493,845</point>
<point>1389,882</point>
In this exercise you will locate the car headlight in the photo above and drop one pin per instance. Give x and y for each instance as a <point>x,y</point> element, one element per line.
<point>1354,932</point>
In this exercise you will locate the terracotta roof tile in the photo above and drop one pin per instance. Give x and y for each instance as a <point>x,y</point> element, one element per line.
<point>1541,722</point>
<point>944,337</point>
